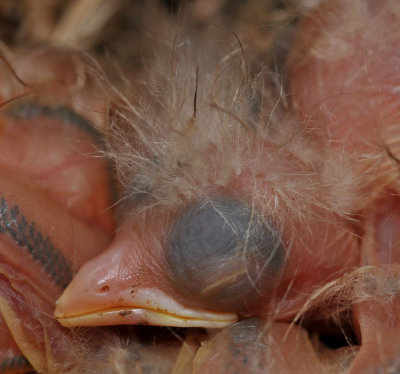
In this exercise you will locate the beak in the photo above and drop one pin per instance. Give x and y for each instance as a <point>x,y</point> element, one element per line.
<point>126,285</point>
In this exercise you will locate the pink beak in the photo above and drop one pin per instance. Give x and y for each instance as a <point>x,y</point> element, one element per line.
<point>124,285</point>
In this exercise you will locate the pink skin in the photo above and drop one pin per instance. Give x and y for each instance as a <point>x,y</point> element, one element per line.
<point>259,347</point>
<point>345,81</point>
<point>28,292</point>
<point>24,279</point>
<point>378,323</point>
<point>48,154</point>
<point>376,318</point>
<point>56,77</point>
<point>58,185</point>
<point>10,351</point>
<point>387,231</point>
<point>47,151</point>
<point>345,77</point>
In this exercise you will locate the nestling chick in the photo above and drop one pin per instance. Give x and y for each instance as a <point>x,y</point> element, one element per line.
<point>231,206</point>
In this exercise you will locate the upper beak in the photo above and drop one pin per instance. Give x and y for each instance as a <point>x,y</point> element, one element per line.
<point>125,285</point>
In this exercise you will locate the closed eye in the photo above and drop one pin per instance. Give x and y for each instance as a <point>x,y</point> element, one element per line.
<point>222,253</point>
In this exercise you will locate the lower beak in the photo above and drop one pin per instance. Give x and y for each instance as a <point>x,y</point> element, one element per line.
<point>148,307</point>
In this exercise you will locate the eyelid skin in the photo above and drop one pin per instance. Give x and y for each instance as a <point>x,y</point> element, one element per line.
<point>57,78</point>
<point>31,111</point>
<point>222,252</point>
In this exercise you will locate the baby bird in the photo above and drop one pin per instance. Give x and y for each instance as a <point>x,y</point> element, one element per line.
<point>250,198</point>
<point>236,207</point>
<point>231,208</point>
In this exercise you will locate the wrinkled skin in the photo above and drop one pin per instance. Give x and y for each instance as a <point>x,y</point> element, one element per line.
<point>342,150</point>
<point>54,211</point>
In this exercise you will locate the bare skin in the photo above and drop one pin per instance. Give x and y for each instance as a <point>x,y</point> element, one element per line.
<point>322,191</point>
<point>55,197</point>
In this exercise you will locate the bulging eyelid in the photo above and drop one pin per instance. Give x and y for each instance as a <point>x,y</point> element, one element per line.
<point>28,237</point>
<point>31,110</point>
<point>223,253</point>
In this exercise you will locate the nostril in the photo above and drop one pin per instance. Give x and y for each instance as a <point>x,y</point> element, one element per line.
<point>104,289</point>
<point>224,254</point>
